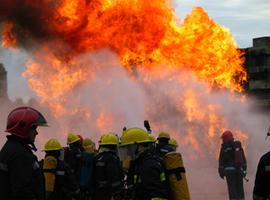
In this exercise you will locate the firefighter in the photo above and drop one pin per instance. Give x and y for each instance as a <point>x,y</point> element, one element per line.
<point>81,140</point>
<point>232,165</point>
<point>262,182</point>
<point>107,168</point>
<point>146,173</point>
<point>163,146</point>
<point>89,146</point>
<point>87,169</point>
<point>60,182</point>
<point>73,154</point>
<point>173,143</point>
<point>20,173</point>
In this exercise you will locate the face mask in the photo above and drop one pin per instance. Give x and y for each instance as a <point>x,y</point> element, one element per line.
<point>126,155</point>
<point>127,152</point>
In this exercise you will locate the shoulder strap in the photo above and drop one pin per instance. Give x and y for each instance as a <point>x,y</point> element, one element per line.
<point>177,172</point>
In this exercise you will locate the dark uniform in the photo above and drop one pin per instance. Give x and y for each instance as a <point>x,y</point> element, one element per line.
<point>73,157</point>
<point>66,186</point>
<point>262,182</point>
<point>108,176</point>
<point>20,173</point>
<point>86,175</point>
<point>149,177</point>
<point>233,168</point>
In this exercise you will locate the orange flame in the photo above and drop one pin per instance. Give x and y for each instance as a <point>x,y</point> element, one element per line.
<point>104,123</point>
<point>140,39</point>
<point>7,36</point>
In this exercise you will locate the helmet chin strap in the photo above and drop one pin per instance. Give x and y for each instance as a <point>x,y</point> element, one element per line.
<point>32,146</point>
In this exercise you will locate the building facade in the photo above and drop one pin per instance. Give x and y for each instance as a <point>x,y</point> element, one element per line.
<point>258,69</point>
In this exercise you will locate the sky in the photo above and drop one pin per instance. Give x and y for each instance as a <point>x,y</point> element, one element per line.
<point>246,19</point>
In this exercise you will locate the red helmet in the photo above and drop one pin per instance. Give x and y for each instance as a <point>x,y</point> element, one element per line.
<point>227,136</point>
<point>22,119</point>
<point>81,138</point>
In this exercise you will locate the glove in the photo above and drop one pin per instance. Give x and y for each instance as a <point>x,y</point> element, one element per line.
<point>221,176</point>
<point>221,172</point>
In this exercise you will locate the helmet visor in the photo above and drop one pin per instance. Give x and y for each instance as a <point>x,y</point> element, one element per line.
<point>127,152</point>
<point>41,121</point>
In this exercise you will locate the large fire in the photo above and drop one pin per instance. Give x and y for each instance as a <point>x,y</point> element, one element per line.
<point>151,44</point>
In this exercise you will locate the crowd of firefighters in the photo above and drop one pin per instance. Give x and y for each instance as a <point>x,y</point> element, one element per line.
<point>134,166</point>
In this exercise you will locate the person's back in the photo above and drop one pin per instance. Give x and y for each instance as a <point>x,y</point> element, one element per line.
<point>227,154</point>
<point>20,173</point>
<point>232,157</point>
<point>60,182</point>
<point>74,160</point>
<point>149,177</point>
<point>146,176</point>
<point>73,154</point>
<point>87,169</point>
<point>66,186</point>
<point>262,182</point>
<point>87,175</point>
<point>232,165</point>
<point>107,170</point>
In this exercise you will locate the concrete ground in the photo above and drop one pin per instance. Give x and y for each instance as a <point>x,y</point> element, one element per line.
<point>207,185</point>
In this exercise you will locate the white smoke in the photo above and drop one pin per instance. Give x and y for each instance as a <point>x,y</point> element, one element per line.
<point>127,99</point>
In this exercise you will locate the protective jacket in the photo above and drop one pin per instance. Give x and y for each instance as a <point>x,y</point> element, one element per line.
<point>150,180</point>
<point>73,157</point>
<point>108,176</point>
<point>86,175</point>
<point>20,173</point>
<point>65,186</point>
<point>262,182</point>
<point>232,165</point>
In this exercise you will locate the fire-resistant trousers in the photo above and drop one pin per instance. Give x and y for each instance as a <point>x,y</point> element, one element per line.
<point>235,185</point>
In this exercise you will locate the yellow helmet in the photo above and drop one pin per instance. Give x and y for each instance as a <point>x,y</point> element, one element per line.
<point>89,145</point>
<point>163,135</point>
<point>134,135</point>
<point>108,139</point>
<point>72,138</point>
<point>87,142</point>
<point>152,138</point>
<point>173,142</point>
<point>52,145</point>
